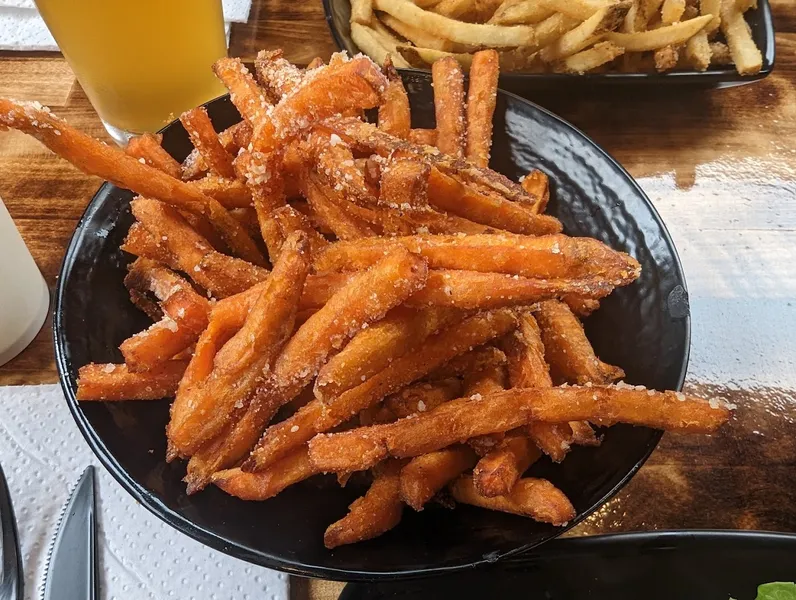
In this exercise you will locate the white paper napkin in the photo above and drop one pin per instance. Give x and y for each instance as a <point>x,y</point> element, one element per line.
<point>21,27</point>
<point>43,455</point>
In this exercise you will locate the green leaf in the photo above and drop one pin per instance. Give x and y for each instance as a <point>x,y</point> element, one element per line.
<point>778,590</point>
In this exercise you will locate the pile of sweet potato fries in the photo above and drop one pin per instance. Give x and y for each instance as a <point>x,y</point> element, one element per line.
<point>335,296</point>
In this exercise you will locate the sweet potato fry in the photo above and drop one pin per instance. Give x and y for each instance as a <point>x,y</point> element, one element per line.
<point>277,75</point>
<point>404,184</point>
<point>116,382</point>
<point>580,305</point>
<point>423,137</point>
<point>568,350</point>
<point>448,82</point>
<point>227,275</point>
<point>481,99</point>
<point>464,418</point>
<point>525,355</point>
<point>244,92</point>
<point>537,185</point>
<point>239,365</point>
<point>472,290</point>
<point>550,257</point>
<point>147,147</point>
<point>268,483</point>
<point>335,166</point>
<point>497,473</point>
<point>394,115</point>
<point>139,242</point>
<point>230,193</point>
<point>535,498</point>
<point>427,474</point>
<point>484,380</point>
<point>288,219</point>
<point>205,139</point>
<point>94,158</point>
<point>422,397</point>
<point>344,225</point>
<point>317,416</point>
<point>373,349</point>
<point>472,365</point>
<point>233,139</point>
<point>379,510</point>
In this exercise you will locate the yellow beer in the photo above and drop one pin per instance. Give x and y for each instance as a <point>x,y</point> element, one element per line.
<point>141,62</point>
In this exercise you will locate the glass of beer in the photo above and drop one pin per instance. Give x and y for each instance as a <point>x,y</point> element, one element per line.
<point>141,62</point>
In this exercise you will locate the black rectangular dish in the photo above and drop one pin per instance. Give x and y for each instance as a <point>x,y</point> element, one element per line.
<point>338,13</point>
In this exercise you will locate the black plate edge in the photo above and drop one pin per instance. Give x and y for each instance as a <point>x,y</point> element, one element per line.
<point>151,503</point>
<point>714,78</point>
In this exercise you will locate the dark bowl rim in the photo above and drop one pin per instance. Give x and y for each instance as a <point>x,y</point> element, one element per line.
<point>725,75</point>
<point>295,567</point>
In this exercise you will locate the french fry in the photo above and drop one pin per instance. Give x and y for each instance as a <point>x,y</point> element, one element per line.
<point>404,184</point>
<point>453,9</point>
<point>422,397</point>
<point>589,31</point>
<point>425,137</point>
<point>668,35</point>
<point>394,115</point>
<point>148,147</point>
<point>698,52</point>
<point>317,417</point>
<point>227,275</point>
<point>484,380</point>
<point>94,158</point>
<point>535,498</point>
<point>583,434</point>
<point>315,63</point>
<point>537,185</point>
<point>579,9</point>
<point>457,31</point>
<point>369,41</point>
<point>567,348</point>
<point>268,483</point>
<point>427,474</point>
<point>421,57</point>
<point>277,75</point>
<point>672,11</point>
<point>110,382</point>
<point>464,418</point>
<point>418,37</point>
<point>320,288</point>
<point>586,60</point>
<point>230,193</point>
<point>361,11</point>
<point>205,139</point>
<point>322,200</point>
<point>646,11</point>
<point>481,99</point>
<point>745,54</point>
<point>497,473</point>
<point>373,349</point>
<point>522,12</point>
<point>239,365</point>
<point>335,166</point>
<point>482,364</point>
<point>448,82</point>
<point>713,8</point>
<point>549,257</point>
<point>471,290</point>
<point>244,92</point>
<point>141,243</point>
<point>389,41</point>
<point>666,58</point>
<point>288,219</point>
<point>552,28</point>
<point>379,510</point>
<point>720,53</point>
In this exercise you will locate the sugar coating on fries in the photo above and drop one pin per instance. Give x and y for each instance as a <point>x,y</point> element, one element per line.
<point>420,306</point>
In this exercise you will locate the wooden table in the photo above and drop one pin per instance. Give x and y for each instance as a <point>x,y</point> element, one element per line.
<point>719,165</point>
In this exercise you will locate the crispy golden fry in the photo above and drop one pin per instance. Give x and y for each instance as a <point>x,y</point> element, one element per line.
<point>116,382</point>
<point>244,92</point>
<point>535,498</point>
<point>389,41</point>
<point>579,9</point>
<point>472,290</point>
<point>480,364</point>
<point>94,158</point>
<point>745,54</point>
<point>361,11</point>
<point>288,219</point>
<point>583,434</point>
<point>586,60</point>
<point>647,10</point>
<point>421,57</point>
<point>457,31</point>
<point>448,82</point>
<point>459,420</point>
<point>666,58</point>
<point>672,11</point>
<point>453,9</point>
<point>320,288</point>
<point>585,34</point>
<point>488,378</point>
<point>327,208</point>
<point>552,28</point>
<point>418,37</point>
<point>567,348</point>
<point>379,510</point>
<point>549,257</point>
<point>335,166</point>
<point>230,193</point>
<point>148,147</point>
<point>425,137</point>
<point>227,275</point>
<point>317,416</point>
<point>537,185</point>
<point>422,397</point>
<point>668,35</point>
<point>522,12</point>
<point>240,364</point>
<point>404,184</point>
<point>394,115</point>
<point>373,349</point>
<point>698,52</point>
<point>141,243</point>
<point>713,8</point>
<point>720,53</point>
<point>369,42</point>
<point>268,483</point>
<point>205,139</point>
<point>277,75</point>
<point>481,99</point>
<point>447,194</point>
<point>427,474</point>
<point>497,473</point>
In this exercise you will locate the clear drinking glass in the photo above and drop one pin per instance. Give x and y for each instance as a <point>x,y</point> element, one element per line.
<point>141,62</point>
<point>24,299</point>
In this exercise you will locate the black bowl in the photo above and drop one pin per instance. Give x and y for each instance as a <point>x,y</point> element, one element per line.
<point>660,565</point>
<point>644,328</point>
<point>338,13</point>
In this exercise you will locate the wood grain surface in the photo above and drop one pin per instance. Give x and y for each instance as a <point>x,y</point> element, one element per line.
<point>720,166</point>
